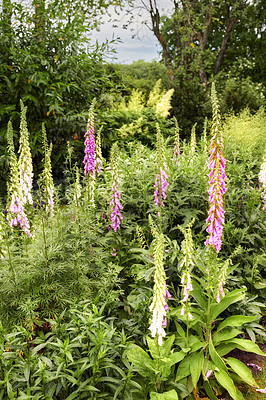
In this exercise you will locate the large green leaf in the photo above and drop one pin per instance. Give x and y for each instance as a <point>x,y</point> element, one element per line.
<point>247,345</point>
<point>230,298</point>
<point>224,335</point>
<point>196,367</point>
<point>224,379</point>
<point>209,390</point>
<point>236,320</point>
<point>141,361</point>
<point>171,395</point>
<point>218,361</point>
<point>242,370</point>
<point>197,295</point>
<point>176,357</point>
<point>183,369</point>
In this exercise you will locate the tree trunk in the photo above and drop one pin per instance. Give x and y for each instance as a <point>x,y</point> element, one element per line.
<point>224,45</point>
<point>39,20</point>
<point>202,46</point>
<point>155,18</point>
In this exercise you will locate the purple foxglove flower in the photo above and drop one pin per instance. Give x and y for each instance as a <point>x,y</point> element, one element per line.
<point>262,180</point>
<point>208,373</point>
<point>160,188</point>
<point>116,216</point>
<point>17,208</point>
<point>89,159</point>
<point>217,187</point>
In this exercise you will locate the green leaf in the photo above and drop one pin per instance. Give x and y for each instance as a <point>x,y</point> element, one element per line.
<point>218,361</point>
<point>247,345</point>
<point>176,357</point>
<point>196,367</point>
<point>197,295</point>
<point>160,351</point>
<point>209,390</point>
<point>171,395</point>
<point>141,361</point>
<point>180,330</point>
<point>224,379</point>
<point>230,298</point>
<point>236,320</point>
<point>224,335</point>
<point>183,369</point>
<point>242,370</point>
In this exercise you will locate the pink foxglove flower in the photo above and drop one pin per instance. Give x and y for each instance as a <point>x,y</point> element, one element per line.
<point>116,216</point>
<point>160,188</point>
<point>89,159</point>
<point>16,207</point>
<point>217,180</point>
<point>262,180</point>
<point>16,214</point>
<point>208,373</point>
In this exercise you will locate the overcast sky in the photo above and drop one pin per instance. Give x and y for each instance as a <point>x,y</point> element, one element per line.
<point>144,45</point>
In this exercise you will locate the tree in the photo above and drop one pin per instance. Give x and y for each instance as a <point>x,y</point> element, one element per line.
<point>47,60</point>
<point>196,36</point>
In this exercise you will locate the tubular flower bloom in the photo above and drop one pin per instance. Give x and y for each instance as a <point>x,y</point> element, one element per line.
<point>47,183</point>
<point>159,305</point>
<point>161,178</point>
<point>77,187</point>
<point>25,160</point>
<point>176,142</point>
<point>193,142</point>
<point>217,179</point>
<point>116,215</point>
<point>16,207</point>
<point>16,215</point>
<point>160,188</point>
<point>89,159</point>
<point>186,264</point>
<point>262,180</point>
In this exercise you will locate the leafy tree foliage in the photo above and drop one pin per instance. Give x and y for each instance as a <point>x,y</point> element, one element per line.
<point>47,60</point>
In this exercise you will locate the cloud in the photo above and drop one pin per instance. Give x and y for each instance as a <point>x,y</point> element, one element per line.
<point>136,42</point>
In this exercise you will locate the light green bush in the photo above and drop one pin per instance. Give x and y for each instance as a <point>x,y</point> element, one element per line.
<point>246,132</point>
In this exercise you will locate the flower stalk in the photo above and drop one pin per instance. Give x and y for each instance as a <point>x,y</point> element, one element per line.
<point>25,160</point>
<point>217,178</point>
<point>89,158</point>
<point>116,216</point>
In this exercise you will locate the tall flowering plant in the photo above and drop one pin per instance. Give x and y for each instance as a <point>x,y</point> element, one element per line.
<point>15,207</point>
<point>25,159</point>
<point>161,177</point>
<point>115,203</point>
<point>262,180</point>
<point>159,306</point>
<point>98,152</point>
<point>193,142</point>
<point>217,180</point>
<point>89,158</point>
<point>176,142</point>
<point>186,265</point>
<point>47,183</point>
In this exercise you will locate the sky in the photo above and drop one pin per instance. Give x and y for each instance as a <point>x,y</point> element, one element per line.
<point>144,45</point>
